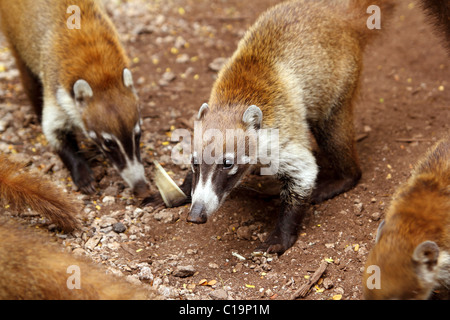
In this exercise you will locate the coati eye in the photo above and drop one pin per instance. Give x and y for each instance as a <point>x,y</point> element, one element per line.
<point>228,164</point>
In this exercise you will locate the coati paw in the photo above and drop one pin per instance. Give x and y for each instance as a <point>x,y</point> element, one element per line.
<point>84,179</point>
<point>278,242</point>
<point>328,189</point>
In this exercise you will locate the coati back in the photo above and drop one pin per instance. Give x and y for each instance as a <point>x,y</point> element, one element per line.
<point>32,268</point>
<point>412,250</point>
<point>77,79</point>
<point>296,69</point>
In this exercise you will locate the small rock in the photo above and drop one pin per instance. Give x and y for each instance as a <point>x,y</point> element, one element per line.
<point>119,227</point>
<point>108,200</point>
<point>376,216</point>
<point>93,242</point>
<point>327,283</point>
<point>244,233</point>
<point>218,294</point>
<point>167,77</point>
<point>145,274</point>
<point>217,63</point>
<point>184,271</point>
<point>358,209</point>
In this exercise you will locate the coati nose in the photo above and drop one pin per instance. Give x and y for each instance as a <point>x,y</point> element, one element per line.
<point>197,214</point>
<point>141,189</point>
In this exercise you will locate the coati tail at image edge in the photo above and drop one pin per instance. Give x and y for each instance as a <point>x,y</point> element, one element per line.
<point>296,70</point>
<point>412,249</point>
<point>33,268</point>
<point>21,188</point>
<point>77,79</point>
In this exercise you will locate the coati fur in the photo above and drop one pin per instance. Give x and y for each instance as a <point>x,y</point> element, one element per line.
<point>33,268</point>
<point>77,80</point>
<point>21,188</point>
<point>412,250</point>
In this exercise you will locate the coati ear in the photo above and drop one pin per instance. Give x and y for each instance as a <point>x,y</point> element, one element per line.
<point>82,91</point>
<point>253,117</point>
<point>202,111</point>
<point>426,255</point>
<point>379,231</point>
<point>127,78</point>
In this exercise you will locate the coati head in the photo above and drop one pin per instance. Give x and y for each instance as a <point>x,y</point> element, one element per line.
<point>111,119</point>
<point>397,270</point>
<point>224,150</point>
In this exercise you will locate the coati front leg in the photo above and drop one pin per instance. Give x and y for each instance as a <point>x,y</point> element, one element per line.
<point>59,133</point>
<point>297,173</point>
<point>31,83</point>
<point>80,171</point>
<point>335,138</point>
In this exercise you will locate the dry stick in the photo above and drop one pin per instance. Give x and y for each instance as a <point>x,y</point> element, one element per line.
<point>412,140</point>
<point>316,276</point>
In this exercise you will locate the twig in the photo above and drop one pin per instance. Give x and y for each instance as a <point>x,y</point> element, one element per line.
<point>316,276</point>
<point>412,140</point>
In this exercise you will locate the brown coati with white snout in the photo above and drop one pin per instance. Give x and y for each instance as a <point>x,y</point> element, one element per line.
<point>411,256</point>
<point>77,78</point>
<point>295,71</point>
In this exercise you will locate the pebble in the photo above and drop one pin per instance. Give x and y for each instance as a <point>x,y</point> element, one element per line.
<point>93,242</point>
<point>218,294</point>
<point>184,271</point>
<point>244,233</point>
<point>119,227</point>
<point>376,216</point>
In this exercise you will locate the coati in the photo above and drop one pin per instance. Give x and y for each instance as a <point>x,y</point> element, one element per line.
<point>296,70</point>
<point>439,13</point>
<point>32,268</point>
<point>412,250</point>
<point>77,79</point>
<point>21,188</point>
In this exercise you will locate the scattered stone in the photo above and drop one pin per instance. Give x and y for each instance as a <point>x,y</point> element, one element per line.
<point>376,216</point>
<point>358,208</point>
<point>119,227</point>
<point>93,242</point>
<point>145,274</point>
<point>217,63</point>
<point>244,233</point>
<point>184,271</point>
<point>108,200</point>
<point>218,294</point>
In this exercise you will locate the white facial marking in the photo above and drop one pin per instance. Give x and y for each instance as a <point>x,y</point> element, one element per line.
<point>92,135</point>
<point>133,171</point>
<point>205,194</point>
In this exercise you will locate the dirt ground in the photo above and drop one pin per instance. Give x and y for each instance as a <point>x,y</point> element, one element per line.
<point>402,109</point>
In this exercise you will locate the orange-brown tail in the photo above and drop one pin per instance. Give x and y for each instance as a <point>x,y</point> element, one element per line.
<point>21,188</point>
<point>32,268</point>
